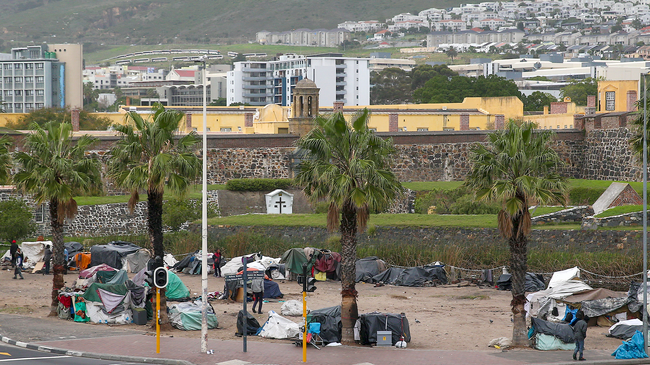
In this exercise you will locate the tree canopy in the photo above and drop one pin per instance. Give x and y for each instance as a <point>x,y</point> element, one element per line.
<point>454,89</point>
<point>578,90</point>
<point>40,117</point>
<point>16,220</point>
<point>537,100</point>
<point>390,86</point>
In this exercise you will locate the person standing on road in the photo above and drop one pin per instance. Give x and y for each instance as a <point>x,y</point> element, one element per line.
<point>18,270</point>
<point>46,258</point>
<point>580,333</point>
<point>217,262</point>
<point>12,250</point>
<point>257,286</point>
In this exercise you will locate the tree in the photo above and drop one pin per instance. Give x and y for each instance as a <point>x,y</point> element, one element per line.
<point>150,157</point>
<point>5,159</point>
<point>219,102</point>
<point>41,117</point>
<point>517,167</point>
<point>636,24</point>
<point>423,73</point>
<point>348,166</point>
<point>537,100</point>
<point>636,141</point>
<point>452,53</point>
<point>579,90</point>
<point>90,96</point>
<point>15,220</point>
<point>53,168</point>
<point>390,86</point>
<point>444,89</point>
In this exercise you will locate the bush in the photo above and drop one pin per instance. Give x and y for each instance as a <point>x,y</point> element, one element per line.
<point>442,199</point>
<point>258,184</point>
<point>584,196</point>
<point>177,211</point>
<point>15,220</point>
<point>469,205</point>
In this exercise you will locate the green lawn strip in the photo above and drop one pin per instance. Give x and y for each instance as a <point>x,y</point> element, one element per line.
<point>623,209</point>
<point>430,185</point>
<point>195,192</point>
<point>602,184</point>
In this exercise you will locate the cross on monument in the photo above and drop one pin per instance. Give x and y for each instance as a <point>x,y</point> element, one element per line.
<point>280,201</point>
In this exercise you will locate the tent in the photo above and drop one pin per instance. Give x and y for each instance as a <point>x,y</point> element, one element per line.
<point>113,303</point>
<point>175,288</point>
<point>564,283</point>
<point>187,316</point>
<point>368,267</point>
<point>32,252</point>
<point>80,261</point>
<point>258,262</point>
<point>88,273</point>
<point>136,261</point>
<point>370,323</point>
<point>329,263</point>
<point>73,248</point>
<point>330,323</point>
<point>279,327</point>
<point>413,276</point>
<point>293,259</point>
<point>111,253</point>
<point>552,336</point>
<point>625,329</point>
<point>534,282</point>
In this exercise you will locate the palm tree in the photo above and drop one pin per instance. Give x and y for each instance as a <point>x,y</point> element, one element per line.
<point>452,53</point>
<point>518,168</point>
<point>348,167</point>
<point>5,159</point>
<point>636,141</point>
<point>54,168</point>
<point>149,157</point>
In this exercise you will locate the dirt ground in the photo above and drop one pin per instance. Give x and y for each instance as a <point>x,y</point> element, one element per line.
<point>452,317</point>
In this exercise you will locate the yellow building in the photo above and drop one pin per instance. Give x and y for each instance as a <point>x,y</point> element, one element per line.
<point>617,95</point>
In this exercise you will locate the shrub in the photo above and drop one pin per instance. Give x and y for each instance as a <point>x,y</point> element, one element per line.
<point>584,196</point>
<point>177,211</point>
<point>442,199</point>
<point>468,204</point>
<point>258,184</point>
<point>15,220</point>
<point>321,207</point>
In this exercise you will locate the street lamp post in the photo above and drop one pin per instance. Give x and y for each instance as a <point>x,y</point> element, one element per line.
<point>645,215</point>
<point>204,223</point>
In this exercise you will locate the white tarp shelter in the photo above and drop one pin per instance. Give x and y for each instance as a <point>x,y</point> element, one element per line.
<point>232,267</point>
<point>279,327</point>
<point>279,202</point>
<point>33,252</point>
<point>563,283</point>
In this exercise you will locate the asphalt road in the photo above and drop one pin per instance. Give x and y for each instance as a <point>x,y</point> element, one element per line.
<point>18,355</point>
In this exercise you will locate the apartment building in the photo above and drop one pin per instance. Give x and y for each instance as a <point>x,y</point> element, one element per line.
<point>42,76</point>
<point>271,82</point>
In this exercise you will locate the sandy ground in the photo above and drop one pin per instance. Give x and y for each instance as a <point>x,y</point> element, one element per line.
<point>447,318</point>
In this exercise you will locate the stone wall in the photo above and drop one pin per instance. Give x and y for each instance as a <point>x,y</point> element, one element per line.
<point>624,220</point>
<point>607,156</point>
<point>575,214</point>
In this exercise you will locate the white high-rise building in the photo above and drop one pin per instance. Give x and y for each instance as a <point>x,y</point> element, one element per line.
<point>340,79</point>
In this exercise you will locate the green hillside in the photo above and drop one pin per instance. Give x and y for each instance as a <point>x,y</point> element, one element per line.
<point>110,22</point>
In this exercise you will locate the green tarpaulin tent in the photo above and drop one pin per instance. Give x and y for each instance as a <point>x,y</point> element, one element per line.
<point>293,259</point>
<point>175,287</point>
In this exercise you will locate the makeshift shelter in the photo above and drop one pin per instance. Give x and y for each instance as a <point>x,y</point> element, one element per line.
<point>330,323</point>
<point>73,248</point>
<point>85,274</point>
<point>544,304</point>
<point>279,327</point>
<point>369,267</point>
<point>293,259</point>
<point>533,282</point>
<point>113,303</point>
<point>255,261</point>
<point>600,305</point>
<point>370,323</point>
<point>176,290</point>
<point>413,276</point>
<point>625,329</point>
<point>272,289</point>
<point>187,316</point>
<point>136,261</point>
<point>329,263</point>
<point>32,252</point>
<point>252,325</point>
<point>552,336</point>
<point>80,261</point>
<point>111,253</point>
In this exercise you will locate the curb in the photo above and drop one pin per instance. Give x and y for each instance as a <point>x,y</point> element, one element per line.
<point>92,355</point>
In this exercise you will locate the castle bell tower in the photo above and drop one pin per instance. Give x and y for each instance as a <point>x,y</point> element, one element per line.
<point>304,107</point>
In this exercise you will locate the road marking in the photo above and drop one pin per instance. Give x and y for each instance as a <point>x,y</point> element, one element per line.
<point>36,358</point>
<point>5,353</point>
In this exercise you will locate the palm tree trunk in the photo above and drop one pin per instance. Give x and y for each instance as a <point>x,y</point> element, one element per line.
<point>349,310</point>
<point>57,254</point>
<point>519,267</point>
<point>155,228</point>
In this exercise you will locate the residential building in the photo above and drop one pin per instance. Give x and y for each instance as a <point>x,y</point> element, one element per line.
<point>361,26</point>
<point>378,64</point>
<point>305,37</point>
<point>452,25</point>
<point>42,76</point>
<point>271,82</point>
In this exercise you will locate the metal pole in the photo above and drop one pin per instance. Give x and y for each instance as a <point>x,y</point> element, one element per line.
<point>204,228</point>
<point>645,215</point>
<point>245,281</point>
<point>157,320</point>
<point>304,311</point>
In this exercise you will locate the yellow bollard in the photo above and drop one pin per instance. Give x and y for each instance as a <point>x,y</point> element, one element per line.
<point>157,320</point>
<point>304,335</point>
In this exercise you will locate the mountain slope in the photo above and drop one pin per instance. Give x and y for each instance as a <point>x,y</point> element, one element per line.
<point>173,21</point>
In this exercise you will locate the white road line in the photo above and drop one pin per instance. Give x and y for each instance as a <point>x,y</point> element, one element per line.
<point>36,358</point>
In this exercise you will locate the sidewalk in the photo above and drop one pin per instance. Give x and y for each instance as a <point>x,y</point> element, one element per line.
<point>132,346</point>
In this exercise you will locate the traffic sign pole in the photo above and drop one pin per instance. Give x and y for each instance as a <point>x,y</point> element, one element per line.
<point>157,320</point>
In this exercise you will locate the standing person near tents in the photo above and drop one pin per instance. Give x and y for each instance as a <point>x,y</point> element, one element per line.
<point>18,270</point>
<point>580,333</point>
<point>47,256</point>
<point>217,262</point>
<point>257,286</point>
<point>12,250</point>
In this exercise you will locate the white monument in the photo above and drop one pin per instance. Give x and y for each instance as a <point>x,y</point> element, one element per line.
<point>279,202</point>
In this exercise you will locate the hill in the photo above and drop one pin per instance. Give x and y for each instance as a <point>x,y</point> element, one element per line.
<point>190,21</point>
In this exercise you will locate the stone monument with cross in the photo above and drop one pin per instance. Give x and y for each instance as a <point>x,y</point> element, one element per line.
<point>279,202</point>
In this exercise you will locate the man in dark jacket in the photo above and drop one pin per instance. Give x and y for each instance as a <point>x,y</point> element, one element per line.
<point>47,256</point>
<point>12,250</point>
<point>580,333</point>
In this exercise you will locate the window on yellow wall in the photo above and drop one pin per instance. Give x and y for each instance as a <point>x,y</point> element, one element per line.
<point>610,100</point>
<point>423,129</point>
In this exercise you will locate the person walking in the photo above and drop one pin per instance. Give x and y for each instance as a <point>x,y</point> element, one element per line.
<point>257,286</point>
<point>18,270</point>
<point>217,256</point>
<point>12,250</point>
<point>47,256</point>
<point>580,333</point>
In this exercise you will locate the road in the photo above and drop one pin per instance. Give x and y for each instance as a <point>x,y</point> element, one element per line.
<point>18,355</point>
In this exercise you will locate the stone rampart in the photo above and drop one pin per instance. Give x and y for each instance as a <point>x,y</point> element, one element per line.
<point>624,220</point>
<point>575,215</point>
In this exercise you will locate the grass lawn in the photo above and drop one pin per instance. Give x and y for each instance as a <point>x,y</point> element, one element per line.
<point>430,185</point>
<point>194,193</point>
<point>602,184</point>
<point>623,209</point>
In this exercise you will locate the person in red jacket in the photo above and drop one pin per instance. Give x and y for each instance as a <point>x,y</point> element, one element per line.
<point>217,256</point>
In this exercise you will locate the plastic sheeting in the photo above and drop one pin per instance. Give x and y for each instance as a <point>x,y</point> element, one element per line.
<point>252,325</point>
<point>626,329</point>
<point>413,276</point>
<point>293,259</point>
<point>175,287</point>
<point>599,307</point>
<point>563,331</point>
<point>272,289</point>
<point>187,316</point>
<point>90,272</point>
<point>330,323</point>
<point>279,327</point>
<point>373,322</point>
<point>136,261</point>
<point>563,276</point>
<point>32,252</point>
<point>546,342</point>
<point>111,253</point>
<point>632,349</point>
<point>369,267</point>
